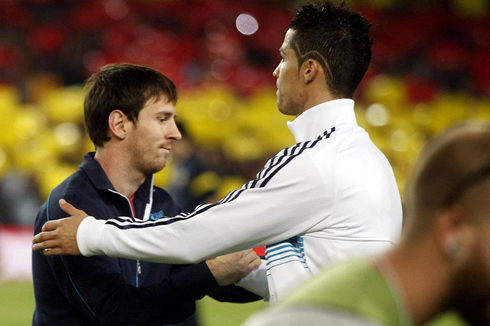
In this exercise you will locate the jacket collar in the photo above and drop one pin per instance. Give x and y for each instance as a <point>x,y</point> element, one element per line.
<point>100,181</point>
<point>322,117</point>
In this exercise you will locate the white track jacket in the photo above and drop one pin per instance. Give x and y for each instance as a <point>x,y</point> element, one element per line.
<point>331,196</point>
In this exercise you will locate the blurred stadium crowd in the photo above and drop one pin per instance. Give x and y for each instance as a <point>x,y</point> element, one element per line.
<point>430,69</point>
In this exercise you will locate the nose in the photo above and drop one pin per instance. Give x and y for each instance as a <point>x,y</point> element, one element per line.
<point>275,73</point>
<point>174,132</point>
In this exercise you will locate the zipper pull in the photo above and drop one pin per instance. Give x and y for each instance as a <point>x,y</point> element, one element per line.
<point>139,267</point>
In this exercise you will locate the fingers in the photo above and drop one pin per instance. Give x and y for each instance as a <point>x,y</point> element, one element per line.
<point>244,254</point>
<point>254,261</point>
<point>60,236</point>
<point>47,238</point>
<point>250,259</point>
<point>50,226</point>
<point>251,255</point>
<point>230,268</point>
<point>53,251</point>
<point>69,208</point>
<point>43,237</point>
<point>48,244</point>
<point>52,244</point>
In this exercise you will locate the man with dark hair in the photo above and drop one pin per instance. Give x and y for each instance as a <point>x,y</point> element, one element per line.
<point>441,264</point>
<point>122,87</point>
<point>129,114</point>
<point>331,196</point>
<point>338,39</point>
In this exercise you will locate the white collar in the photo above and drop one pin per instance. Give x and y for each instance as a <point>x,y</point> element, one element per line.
<point>314,121</point>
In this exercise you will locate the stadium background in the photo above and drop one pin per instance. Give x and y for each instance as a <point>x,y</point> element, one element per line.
<point>430,69</point>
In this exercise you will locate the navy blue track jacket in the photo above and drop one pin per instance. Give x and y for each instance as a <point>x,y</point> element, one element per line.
<point>75,290</point>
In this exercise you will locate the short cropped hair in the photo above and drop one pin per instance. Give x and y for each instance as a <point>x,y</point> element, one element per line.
<point>338,39</point>
<point>450,165</point>
<point>125,87</point>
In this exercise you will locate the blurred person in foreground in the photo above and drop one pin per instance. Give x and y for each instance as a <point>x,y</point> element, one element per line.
<point>441,264</point>
<point>331,196</point>
<point>129,114</point>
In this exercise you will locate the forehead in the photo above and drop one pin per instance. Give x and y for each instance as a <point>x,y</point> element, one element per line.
<point>286,44</point>
<point>159,104</point>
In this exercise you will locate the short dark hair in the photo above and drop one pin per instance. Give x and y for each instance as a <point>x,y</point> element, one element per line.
<point>121,86</point>
<point>450,164</point>
<point>338,39</point>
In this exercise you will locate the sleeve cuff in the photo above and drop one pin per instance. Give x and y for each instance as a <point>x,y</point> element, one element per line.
<point>256,282</point>
<point>193,281</point>
<point>89,236</point>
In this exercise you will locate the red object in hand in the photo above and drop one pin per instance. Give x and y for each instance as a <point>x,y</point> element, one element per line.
<point>260,251</point>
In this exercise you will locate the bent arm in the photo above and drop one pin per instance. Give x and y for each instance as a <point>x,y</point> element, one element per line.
<point>104,293</point>
<point>96,287</point>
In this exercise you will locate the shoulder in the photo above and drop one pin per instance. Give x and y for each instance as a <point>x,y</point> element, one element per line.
<point>359,153</point>
<point>161,193</point>
<point>162,196</point>
<point>326,146</point>
<point>357,139</point>
<point>354,286</point>
<point>345,282</point>
<point>77,190</point>
<point>72,185</point>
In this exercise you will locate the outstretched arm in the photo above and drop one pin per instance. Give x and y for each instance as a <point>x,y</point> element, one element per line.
<point>58,237</point>
<point>280,204</point>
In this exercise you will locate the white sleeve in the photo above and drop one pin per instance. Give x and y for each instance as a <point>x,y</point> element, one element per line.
<point>256,282</point>
<point>89,236</point>
<point>285,200</point>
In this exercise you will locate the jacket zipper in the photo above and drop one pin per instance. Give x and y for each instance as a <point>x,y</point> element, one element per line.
<point>138,264</point>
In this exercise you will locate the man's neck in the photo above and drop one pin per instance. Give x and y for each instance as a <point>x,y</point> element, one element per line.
<point>119,171</point>
<point>314,97</point>
<point>421,276</point>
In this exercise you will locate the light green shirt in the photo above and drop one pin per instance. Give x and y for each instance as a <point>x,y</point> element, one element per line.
<point>352,293</point>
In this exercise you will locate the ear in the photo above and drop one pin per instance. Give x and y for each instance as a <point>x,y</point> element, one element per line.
<point>118,124</point>
<point>455,233</point>
<point>311,69</point>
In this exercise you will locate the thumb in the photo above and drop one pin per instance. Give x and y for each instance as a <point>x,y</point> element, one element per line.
<point>69,208</point>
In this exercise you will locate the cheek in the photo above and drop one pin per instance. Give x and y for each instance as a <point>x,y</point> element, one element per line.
<point>284,73</point>
<point>486,261</point>
<point>485,246</point>
<point>482,262</point>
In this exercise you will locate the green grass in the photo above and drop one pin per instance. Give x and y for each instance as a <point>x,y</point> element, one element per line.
<point>17,306</point>
<point>16,303</point>
<point>213,313</point>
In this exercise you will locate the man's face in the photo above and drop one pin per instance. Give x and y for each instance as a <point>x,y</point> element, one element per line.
<point>289,93</point>
<point>151,137</point>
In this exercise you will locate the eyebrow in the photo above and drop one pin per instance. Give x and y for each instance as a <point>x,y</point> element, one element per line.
<point>166,113</point>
